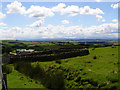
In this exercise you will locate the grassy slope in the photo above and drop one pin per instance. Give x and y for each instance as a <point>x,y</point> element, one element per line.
<point>18,80</point>
<point>105,65</point>
<point>97,69</point>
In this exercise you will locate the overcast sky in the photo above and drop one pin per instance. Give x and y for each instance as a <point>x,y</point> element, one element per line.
<point>42,20</point>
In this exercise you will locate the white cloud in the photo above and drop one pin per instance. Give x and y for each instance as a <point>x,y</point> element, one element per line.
<point>65,22</point>
<point>103,20</point>
<point>2,15</point>
<point>114,5</point>
<point>16,29</point>
<point>2,24</point>
<point>98,0</point>
<point>58,8</point>
<point>75,10</point>
<point>5,27</point>
<point>108,30</point>
<point>72,10</point>
<point>33,11</point>
<point>39,12</point>
<point>16,7</point>
<point>114,20</point>
<point>90,11</point>
<point>100,18</point>
<point>42,12</point>
<point>37,23</point>
<point>9,33</point>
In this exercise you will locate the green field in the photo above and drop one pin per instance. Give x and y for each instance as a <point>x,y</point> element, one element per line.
<point>99,69</point>
<point>103,69</point>
<point>18,80</point>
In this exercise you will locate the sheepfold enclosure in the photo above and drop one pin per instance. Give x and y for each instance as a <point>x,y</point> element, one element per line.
<point>49,55</point>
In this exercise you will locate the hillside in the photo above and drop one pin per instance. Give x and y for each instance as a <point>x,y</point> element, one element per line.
<point>99,69</point>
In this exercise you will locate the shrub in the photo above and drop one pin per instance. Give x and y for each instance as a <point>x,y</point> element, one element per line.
<point>50,79</point>
<point>7,69</point>
<point>17,66</point>
<point>113,77</point>
<point>54,80</point>
<point>58,61</point>
<point>37,72</point>
<point>77,79</point>
<point>24,67</point>
<point>93,82</point>
<point>94,57</point>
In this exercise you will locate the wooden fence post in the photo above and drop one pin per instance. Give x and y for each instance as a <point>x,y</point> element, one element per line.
<point>4,82</point>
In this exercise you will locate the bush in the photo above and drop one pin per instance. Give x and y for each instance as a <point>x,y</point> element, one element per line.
<point>24,67</point>
<point>94,57</point>
<point>54,80</point>
<point>113,77</point>
<point>58,61</point>
<point>48,79</point>
<point>7,69</point>
<point>37,72</point>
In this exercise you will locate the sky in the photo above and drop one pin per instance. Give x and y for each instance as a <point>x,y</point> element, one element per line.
<point>58,20</point>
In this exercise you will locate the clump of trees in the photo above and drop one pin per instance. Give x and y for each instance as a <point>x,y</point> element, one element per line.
<point>49,57</point>
<point>6,49</point>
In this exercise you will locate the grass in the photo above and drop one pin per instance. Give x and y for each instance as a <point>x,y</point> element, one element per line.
<point>79,72</point>
<point>1,86</point>
<point>18,80</point>
<point>97,70</point>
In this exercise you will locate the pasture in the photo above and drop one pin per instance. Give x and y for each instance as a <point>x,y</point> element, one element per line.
<point>99,69</point>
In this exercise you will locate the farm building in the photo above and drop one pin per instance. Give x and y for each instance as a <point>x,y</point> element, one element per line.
<point>24,51</point>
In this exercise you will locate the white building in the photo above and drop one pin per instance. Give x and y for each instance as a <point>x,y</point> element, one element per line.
<point>24,51</point>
